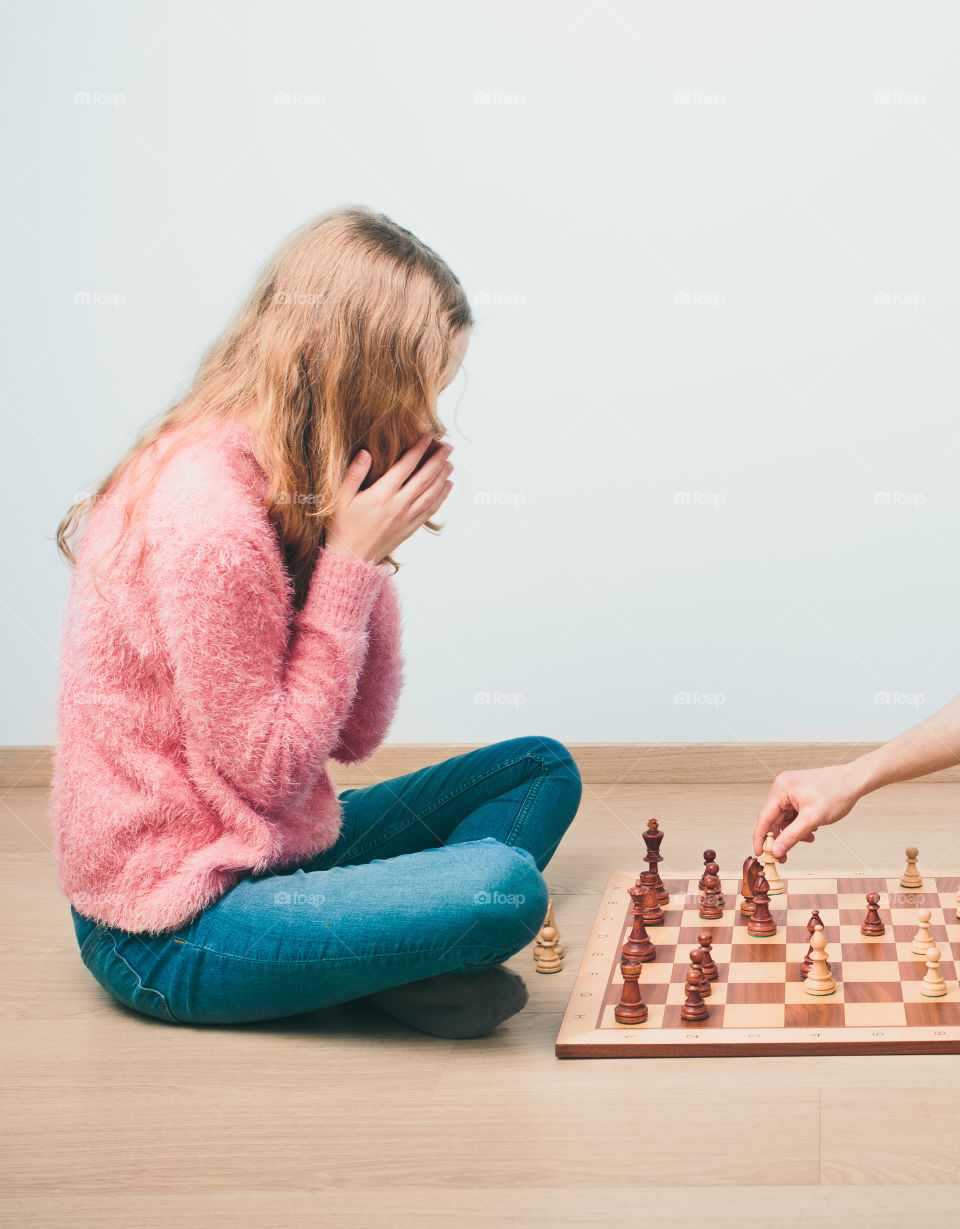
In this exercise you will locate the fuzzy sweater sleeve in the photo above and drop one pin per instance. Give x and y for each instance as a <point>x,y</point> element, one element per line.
<point>261,696</point>
<point>379,684</point>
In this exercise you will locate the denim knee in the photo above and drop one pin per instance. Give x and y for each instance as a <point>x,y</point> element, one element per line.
<point>561,765</point>
<point>510,896</point>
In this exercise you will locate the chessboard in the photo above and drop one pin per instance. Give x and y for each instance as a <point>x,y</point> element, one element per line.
<point>758,1004</point>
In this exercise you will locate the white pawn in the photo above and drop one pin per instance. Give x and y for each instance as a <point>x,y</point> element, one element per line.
<point>933,986</point>
<point>922,940</point>
<point>911,877</point>
<point>770,867</point>
<point>819,980</point>
<point>546,958</point>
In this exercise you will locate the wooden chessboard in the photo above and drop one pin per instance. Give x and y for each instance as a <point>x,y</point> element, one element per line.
<point>758,1004</point>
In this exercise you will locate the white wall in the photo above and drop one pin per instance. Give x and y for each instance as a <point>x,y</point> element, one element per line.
<point>791,169</point>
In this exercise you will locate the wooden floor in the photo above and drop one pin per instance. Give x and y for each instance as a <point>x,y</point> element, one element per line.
<point>343,1118</point>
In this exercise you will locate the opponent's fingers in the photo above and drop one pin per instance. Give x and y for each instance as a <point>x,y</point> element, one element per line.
<point>797,830</point>
<point>771,816</point>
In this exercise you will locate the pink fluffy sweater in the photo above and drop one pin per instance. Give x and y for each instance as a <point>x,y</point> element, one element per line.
<point>197,708</point>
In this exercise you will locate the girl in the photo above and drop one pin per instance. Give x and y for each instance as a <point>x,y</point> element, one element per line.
<point>247,631</point>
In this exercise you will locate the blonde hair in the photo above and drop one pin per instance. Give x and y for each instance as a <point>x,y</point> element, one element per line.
<point>342,344</point>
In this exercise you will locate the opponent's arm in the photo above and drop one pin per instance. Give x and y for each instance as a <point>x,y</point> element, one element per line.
<point>800,802</point>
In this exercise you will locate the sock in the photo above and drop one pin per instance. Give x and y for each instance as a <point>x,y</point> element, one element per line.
<point>460,1005</point>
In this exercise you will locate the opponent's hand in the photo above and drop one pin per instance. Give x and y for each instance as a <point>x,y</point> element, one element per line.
<point>800,802</point>
<point>371,524</point>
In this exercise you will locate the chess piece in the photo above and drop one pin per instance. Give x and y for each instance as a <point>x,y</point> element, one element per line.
<point>548,961</point>
<point>652,913</point>
<point>815,921</point>
<point>631,1009</point>
<point>922,940</point>
<point>694,1008</point>
<point>911,877</point>
<point>550,920</point>
<point>652,839</point>
<point>555,948</point>
<point>770,867</point>
<point>933,986</point>
<point>696,962</point>
<point>760,925</point>
<point>711,909</point>
<point>709,855</point>
<point>638,947</point>
<point>958,904</point>
<point>819,979</point>
<point>746,886</point>
<point>709,969</point>
<point>872,925</point>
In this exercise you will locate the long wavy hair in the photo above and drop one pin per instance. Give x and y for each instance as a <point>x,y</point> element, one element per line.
<point>342,344</point>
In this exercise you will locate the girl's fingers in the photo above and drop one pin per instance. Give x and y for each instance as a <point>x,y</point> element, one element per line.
<point>434,467</point>
<point>401,470</point>
<point>356,472</point>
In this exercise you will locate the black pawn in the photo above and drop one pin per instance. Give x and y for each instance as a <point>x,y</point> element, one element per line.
<point>696,962</point>
<point>694,1009</point>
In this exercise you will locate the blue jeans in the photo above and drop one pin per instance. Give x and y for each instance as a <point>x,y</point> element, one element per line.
<point>433,872</point>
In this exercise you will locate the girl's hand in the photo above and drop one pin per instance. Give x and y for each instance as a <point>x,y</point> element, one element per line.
<point>800,802</point>
<point>371,524</point>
